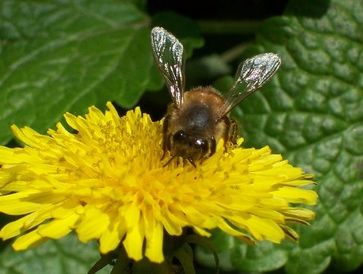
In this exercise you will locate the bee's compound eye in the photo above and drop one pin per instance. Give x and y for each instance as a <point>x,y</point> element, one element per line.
<point>202,144</point>
<point>179,136</point>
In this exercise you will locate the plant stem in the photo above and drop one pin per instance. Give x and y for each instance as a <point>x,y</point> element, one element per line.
<point>233,53</point>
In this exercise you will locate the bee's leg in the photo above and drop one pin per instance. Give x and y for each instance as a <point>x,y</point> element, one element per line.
<point>166,139</point>
<point>227,122</point>
<point>233,131</point>
<point>213,145</point>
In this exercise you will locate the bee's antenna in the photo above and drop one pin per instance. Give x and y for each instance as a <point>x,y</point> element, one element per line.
<point>192,162</point>
<point>168,162</point>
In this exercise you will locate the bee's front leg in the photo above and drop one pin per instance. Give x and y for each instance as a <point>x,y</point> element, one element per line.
<point>233,131</point>
<point>166,139</point>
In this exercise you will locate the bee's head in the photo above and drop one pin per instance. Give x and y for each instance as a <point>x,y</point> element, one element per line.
<point>191,146</point>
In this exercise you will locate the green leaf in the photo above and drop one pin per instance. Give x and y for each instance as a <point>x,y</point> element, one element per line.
<point>66,255</point>
<point>312,113</point>
<point>66,55</point>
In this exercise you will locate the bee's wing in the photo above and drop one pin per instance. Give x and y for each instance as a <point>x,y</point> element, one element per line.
<point>252,74</point>
<point>168,54</point>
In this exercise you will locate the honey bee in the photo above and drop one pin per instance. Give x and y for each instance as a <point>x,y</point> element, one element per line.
<point>197,119</point>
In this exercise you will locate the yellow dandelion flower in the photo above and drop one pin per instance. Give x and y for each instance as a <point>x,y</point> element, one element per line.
<point>105,181</point>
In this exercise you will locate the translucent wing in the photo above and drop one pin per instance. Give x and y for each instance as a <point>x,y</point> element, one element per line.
<point>168,54</point>
<point>252,74</point>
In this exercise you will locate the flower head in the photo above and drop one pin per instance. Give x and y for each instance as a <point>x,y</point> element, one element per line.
<point>104,180</point>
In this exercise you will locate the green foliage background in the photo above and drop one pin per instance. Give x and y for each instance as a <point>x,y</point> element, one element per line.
<point>66,55</point>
